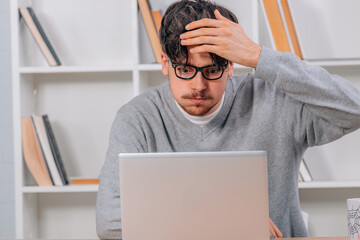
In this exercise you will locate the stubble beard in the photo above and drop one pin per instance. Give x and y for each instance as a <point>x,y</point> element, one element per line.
<point>197,109</point>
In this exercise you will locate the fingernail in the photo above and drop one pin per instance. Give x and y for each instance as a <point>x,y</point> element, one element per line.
<point>187,27</point>
<point>182,35</point>
<point>183,41</point>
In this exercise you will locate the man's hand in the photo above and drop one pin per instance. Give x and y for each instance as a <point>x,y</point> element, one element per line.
<point>222,37</point>
<point>274,231</point>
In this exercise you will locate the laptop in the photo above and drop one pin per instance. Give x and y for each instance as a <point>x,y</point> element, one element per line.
<point>194,195</point>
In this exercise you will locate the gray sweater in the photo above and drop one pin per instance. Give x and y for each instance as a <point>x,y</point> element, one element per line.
<point>283,108</point>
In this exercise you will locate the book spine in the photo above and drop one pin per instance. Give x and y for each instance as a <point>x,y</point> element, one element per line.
<point>41,149</point>
<point>41,30</point>
<point>55,150</point>
<point>149,23</point>
<point>85,181</point>
<point>44,142</point>
<point>276,25</point>
<point>304,171</point>
<point>291,28</point>
<point>37,36</point>
<point>157,19</point>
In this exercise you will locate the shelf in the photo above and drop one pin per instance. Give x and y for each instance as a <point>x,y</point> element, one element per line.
<point>329,184</point>
<point>150,67</point>
<point>75,69</point>
<point>335,63</point>
<point>63,189</point>
<point>157,67</point>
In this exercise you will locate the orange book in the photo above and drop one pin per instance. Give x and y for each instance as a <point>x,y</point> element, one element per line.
<point>32,154</point>
<point>150,28</point>
<point>276,24</point>
<point>83,181</point>
<point>291,28</point>
<point>157,19</point>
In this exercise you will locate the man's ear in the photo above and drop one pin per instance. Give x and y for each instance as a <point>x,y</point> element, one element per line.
<point>164,64</point>
<point>231,69</point>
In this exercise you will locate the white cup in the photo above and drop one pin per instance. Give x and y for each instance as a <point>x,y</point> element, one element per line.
<point>353,216</point>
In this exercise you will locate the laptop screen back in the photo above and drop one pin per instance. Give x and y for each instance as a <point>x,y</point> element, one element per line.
<point>178,196</point>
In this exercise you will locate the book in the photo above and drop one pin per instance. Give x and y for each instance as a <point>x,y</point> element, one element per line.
<point>151,30</point>
<point>157,19</point>
<point>275,25</point>
<point>300,179</point>
<point>289,26</point>
<point>32,154</point>
<point>39,35</point>
<point>55,150</point>
<point>45,146</point>
<point>304,172</point>
<point>85,181</point>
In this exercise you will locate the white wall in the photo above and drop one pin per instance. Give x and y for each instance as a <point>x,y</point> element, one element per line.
<point>7,221</point>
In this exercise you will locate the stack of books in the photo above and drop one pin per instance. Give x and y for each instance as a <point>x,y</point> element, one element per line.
<point>41,152</point>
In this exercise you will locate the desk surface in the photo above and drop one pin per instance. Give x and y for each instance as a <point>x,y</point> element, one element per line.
<point>319,238</point>
<point>309,238</point>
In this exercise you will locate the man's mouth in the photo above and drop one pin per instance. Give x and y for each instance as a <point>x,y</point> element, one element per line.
<point>197,99</point>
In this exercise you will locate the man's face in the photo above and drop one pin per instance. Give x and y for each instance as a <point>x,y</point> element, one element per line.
<point>197,96</point>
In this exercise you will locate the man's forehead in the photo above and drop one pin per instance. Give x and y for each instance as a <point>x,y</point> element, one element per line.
<point>198,59</point>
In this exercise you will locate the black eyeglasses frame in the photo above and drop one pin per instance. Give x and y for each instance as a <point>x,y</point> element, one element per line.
<point>198,69</point>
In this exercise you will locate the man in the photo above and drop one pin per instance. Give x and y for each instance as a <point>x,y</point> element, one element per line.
<point>283,108</point>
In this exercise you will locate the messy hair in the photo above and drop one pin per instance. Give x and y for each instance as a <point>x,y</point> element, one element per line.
<point>177,16</point>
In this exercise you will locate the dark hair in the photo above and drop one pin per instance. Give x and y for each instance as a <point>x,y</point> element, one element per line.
<point>177,16</point>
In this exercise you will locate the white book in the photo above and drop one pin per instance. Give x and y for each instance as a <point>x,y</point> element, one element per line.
<point>45,145</point>
<point>304,172</point>
<point>327,29</point>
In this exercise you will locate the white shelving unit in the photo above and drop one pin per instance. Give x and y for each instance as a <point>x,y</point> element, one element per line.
<point>329,184</point>
<point>107,60</point>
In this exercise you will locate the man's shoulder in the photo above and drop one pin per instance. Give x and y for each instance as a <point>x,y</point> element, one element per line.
<point>250,85</point>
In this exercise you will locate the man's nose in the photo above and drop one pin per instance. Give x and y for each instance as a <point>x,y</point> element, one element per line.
<point>198,83</point>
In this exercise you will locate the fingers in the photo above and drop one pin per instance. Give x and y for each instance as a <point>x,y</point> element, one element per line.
<point>205,48</point>
<point>219,16</point>
<point>200,40</point>
<point>272,231</point>
<point>200,32</point>
<point>275,229</point>
<point>207,22</point>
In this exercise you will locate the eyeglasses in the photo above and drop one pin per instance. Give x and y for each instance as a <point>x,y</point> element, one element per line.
<point>211,72</point>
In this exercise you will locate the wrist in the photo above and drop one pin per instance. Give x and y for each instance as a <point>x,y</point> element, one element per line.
<point>255,56</point>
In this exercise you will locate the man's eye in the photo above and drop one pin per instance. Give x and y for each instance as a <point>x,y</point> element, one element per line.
<point>212,70</point>
<point>184,69</point>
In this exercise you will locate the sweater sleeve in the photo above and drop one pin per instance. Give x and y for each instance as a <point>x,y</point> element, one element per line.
<point>330,105</point>
<point>125,136</point>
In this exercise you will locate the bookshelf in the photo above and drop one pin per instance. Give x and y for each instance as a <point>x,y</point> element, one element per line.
<point>106,60</point>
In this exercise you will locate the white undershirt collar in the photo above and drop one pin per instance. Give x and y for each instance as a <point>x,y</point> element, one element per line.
<point>201,121</point>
